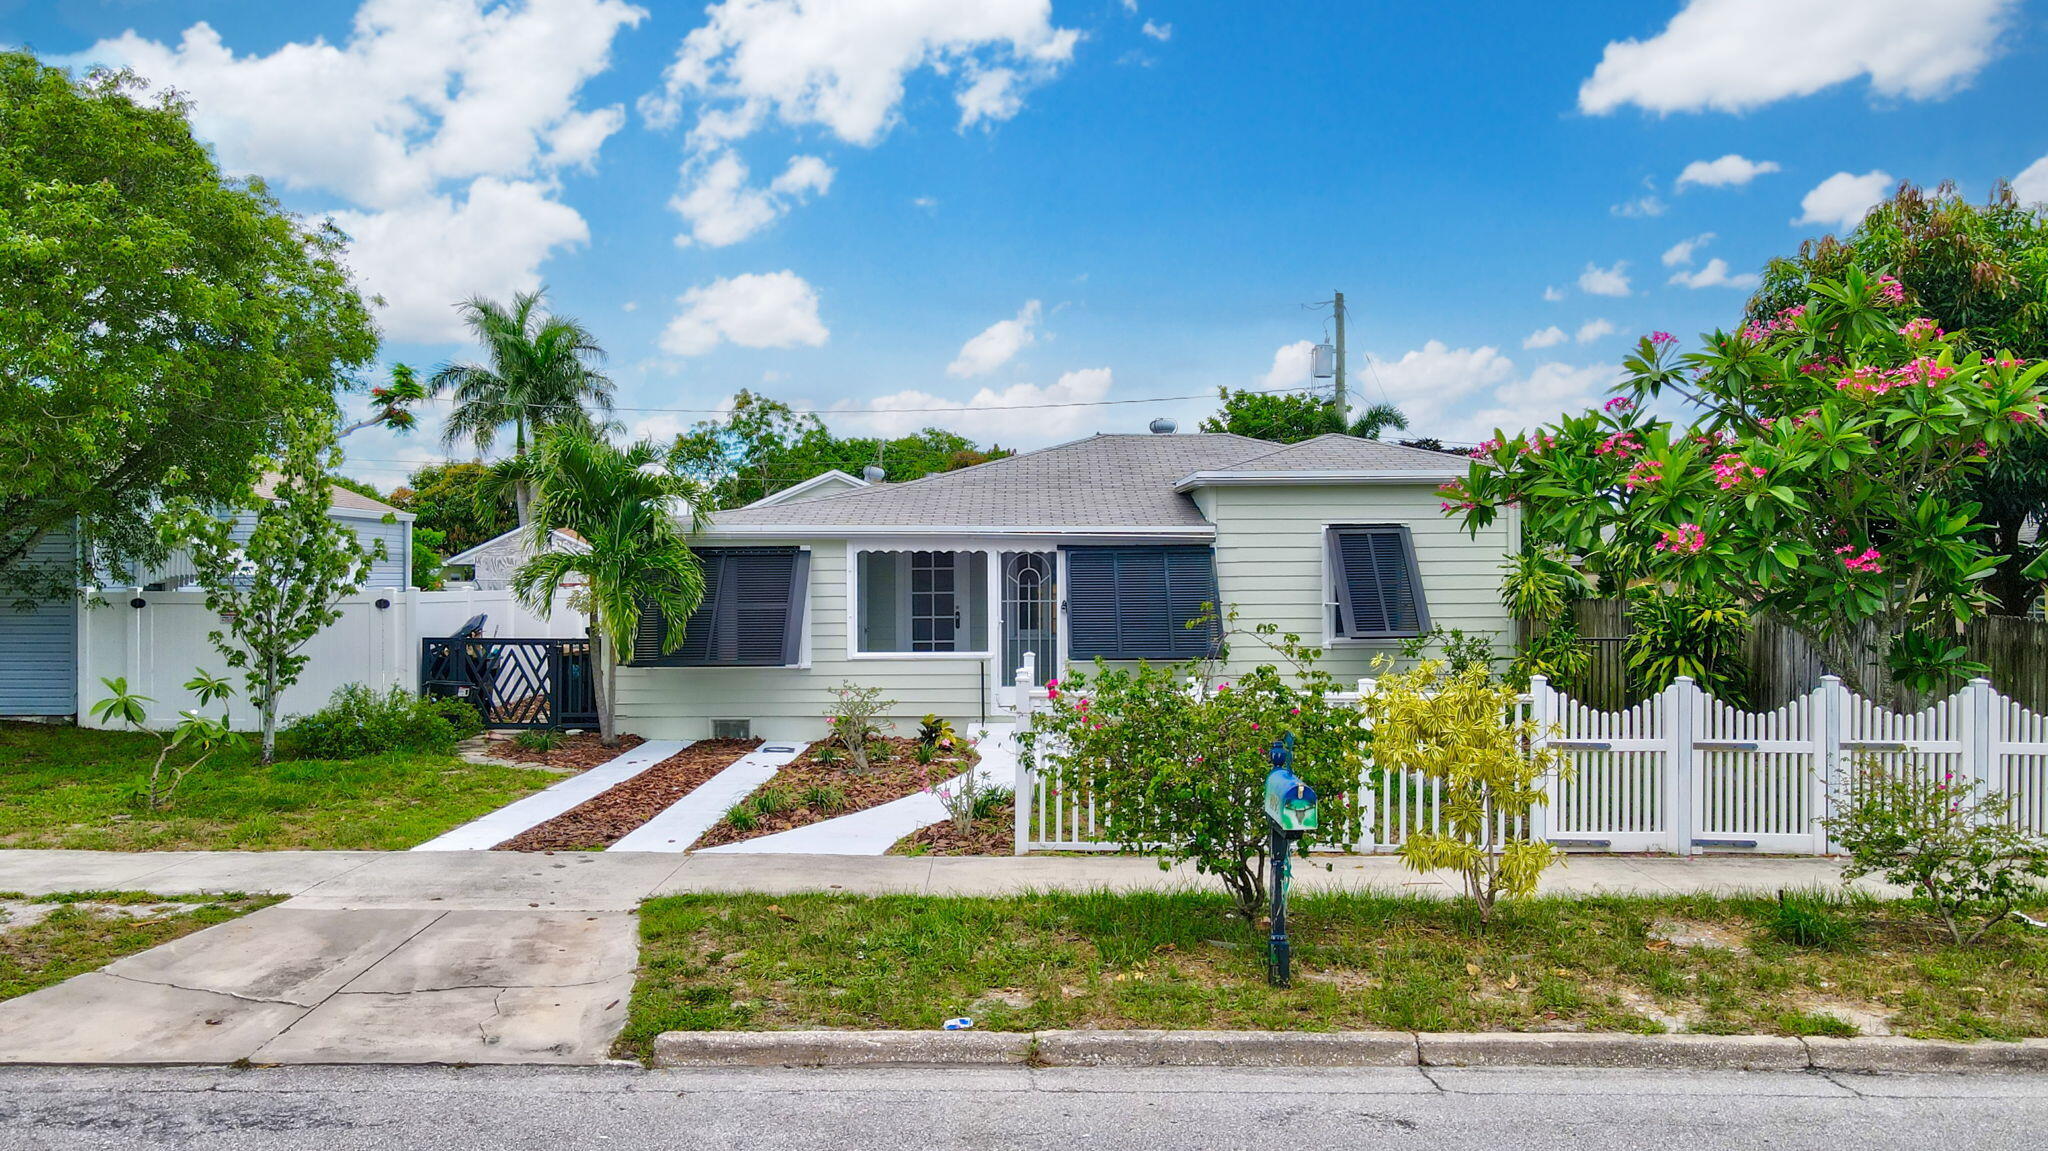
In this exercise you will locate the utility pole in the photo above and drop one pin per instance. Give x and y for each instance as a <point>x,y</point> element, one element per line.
<point>1343,407</point>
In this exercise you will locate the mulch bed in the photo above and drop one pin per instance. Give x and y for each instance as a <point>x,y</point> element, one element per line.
<point>579,752</point>
<point>898,776</point>
<point>995,835</point>
<point>603,820</point>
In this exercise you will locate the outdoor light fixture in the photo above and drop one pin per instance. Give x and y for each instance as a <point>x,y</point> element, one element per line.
<point>138,602</point>
<point>383,603</point>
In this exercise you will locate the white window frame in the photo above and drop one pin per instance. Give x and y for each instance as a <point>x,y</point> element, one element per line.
<point>991,638</point>
<point>1329,606</point>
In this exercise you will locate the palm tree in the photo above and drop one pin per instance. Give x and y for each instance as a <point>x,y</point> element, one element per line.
<point>538,373</point>
<point>1378,418</point>
<point>637,518</point>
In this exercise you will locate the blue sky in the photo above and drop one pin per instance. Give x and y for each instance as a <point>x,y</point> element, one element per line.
<point>911,204</point>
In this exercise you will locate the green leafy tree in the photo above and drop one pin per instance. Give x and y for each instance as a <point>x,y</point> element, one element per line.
<point>539,371</point>
<point>447,498</point>
<point>637,518</point>
<point>158,321</point>
<point>1828,481</point>
<point>280,587</point>
<point>391,405</point>
<point>764,446</point>
<point>203,735</point>
<point>1290,417</point>
<point>1696,633</point>
<point>1174,757</point>
<point>429,556</point>
<point>1979,271</point>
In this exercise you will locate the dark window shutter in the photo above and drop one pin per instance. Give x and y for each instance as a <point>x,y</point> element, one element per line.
<point>751,615</point>
<point>1137,602</point>
<point>1378,584</point>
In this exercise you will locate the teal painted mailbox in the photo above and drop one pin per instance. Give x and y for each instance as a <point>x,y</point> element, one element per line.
<point>1290,803</point>
<point>1290,811</point>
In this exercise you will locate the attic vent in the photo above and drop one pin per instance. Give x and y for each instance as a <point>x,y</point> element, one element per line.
<point>732,729</point>
<point>1164,427</point>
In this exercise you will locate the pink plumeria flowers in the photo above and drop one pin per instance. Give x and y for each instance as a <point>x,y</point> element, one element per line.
<point>1890,291</point>
<point>1920,329</point>
<point>1868,561</point>
<point>1731,470</point>
<point>1685,539</point>
<point>1619,404</point>
<point>1662,339</point>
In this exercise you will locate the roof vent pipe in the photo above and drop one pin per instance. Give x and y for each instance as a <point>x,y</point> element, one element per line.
<point>1164,427</point>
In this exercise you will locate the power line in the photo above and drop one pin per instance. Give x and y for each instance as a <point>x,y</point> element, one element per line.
<point>923,411</point>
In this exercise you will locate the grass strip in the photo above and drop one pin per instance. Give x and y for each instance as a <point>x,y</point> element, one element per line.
<point>87,930</point>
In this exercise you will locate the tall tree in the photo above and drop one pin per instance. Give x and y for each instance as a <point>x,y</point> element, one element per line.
<point>159,322</point>
<point>1290,417</point>
<point>449,498</point>
<point>539,372</point>
<point>1980,272</point>
<point>764,446</point>
<point>637,518</point>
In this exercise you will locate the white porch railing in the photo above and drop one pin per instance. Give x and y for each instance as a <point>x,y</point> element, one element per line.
<point>1681,772</point>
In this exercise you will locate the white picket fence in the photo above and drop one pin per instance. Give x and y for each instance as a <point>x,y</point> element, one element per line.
<point>1682,772</point>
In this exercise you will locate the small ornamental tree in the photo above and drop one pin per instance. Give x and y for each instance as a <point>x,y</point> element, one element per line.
<point>202,735</point>
<point>1826,479</point>
<point>1175,756</point>
<point>280,587</point>
<point>1456,728</point>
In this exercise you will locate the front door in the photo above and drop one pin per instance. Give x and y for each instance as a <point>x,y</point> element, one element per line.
<point>1030,613</point>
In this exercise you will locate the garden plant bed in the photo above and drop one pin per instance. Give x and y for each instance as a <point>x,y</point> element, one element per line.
<point>996,834</point>
<point>578,751</point>
<point>69,787</point>
<point>604,819</point>
<point>798,790</point>
<point>50,938</point>
<point>1362,962</point>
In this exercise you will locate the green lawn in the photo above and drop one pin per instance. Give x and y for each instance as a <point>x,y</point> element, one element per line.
<point>713,962</point>
<point>70,787</point>
<point>88,930</point>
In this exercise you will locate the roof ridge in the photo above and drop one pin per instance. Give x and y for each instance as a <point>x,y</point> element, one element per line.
<point>1345,436</point>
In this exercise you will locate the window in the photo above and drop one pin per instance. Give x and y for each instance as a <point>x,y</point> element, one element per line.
<point>1137,602</point>
<point>916,602</point>
<point>1378,586</point>
<point>752,614</point>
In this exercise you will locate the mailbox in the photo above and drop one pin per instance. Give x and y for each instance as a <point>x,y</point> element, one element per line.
<point>1290,803</point>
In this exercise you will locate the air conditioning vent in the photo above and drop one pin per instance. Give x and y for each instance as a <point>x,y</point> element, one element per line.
<point>732,729</point>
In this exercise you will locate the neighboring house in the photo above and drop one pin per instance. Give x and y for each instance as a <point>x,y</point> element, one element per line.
<point>935,590</point>
<point>496,559</point>
<point>39,647</point>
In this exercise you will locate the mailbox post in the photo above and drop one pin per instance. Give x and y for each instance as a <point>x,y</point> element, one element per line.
<point>1290,811</point>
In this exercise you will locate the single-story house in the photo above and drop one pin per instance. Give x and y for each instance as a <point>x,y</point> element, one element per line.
<point>937,589</point>
<point>497,558</point>
<point>39,647</point>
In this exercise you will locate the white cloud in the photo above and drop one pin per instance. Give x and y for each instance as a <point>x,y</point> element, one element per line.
<point>1599,281</point>
<point>1842,199</point>
<point>925,203</point>
<point>1462,394</point>
<point>1730,171</point>
<point>1647,206</point>
<point>1547,392</point>
<point>722,207</point>
<point>1733,55</point>
<point>756,310</point>
<point>2032,185</point>
<point>997,344</point>
<point>1594,329</point>
<point>448,111</point>
<point>1715,275</point>
<point>1552,293</point>
<point>992,412</point>
<point>1549,337</point>
<point>843,66</point>
<point>1681,252</point>
<point>1291,365</point>
<point>1159,32</point>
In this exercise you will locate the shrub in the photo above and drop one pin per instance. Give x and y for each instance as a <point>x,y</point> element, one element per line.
<point>1943,837</point>
<point>202,735</point>
<point>359,722</point>
<point>461,715</point>
<point>770,800</point>
<point>824,797</point>
<point>538,739</point>
<point>856,722</point>
<point>1810,919</point>
<point>990,801</point>
<point>827,755</point>
<point>936,733</point>
<point>742,817</point>
<point>924,753</point>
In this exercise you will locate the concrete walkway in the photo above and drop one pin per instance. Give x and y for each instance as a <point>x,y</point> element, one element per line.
<point>489,831</point>
<point>688,818</point>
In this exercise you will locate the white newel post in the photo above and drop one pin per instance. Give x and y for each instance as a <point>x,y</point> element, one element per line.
<point>1542,711</point>
<point>1682,714</point>
<point>1978,763</point>
<point>1833,773</point>
<point>1025,794</point>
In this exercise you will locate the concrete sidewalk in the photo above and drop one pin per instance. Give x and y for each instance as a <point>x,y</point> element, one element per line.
<point>618,881</point>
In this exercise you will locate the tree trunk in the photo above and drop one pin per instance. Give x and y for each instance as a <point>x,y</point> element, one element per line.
<point>267,711</point>
<point>603,682</point>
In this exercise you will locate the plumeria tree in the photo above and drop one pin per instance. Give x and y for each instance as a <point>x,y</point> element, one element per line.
<point>1825,477</point>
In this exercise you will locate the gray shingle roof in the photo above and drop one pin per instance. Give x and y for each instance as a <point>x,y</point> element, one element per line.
<point>1105,481</point>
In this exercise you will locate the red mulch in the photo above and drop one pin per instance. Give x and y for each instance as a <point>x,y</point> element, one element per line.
<point>579,752</point>
<point>995,835</point>
<point>603,820</point>
<point>898,776</point>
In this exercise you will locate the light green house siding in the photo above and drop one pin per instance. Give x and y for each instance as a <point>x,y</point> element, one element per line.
<point>1271,564</point>
<point>790,703</point>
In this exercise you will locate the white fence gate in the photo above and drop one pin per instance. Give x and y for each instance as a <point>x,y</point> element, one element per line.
<point>1681,772</point>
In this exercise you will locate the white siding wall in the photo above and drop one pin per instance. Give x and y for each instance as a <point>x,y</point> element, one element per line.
<point>1270,563</point>
<point>790,703</point>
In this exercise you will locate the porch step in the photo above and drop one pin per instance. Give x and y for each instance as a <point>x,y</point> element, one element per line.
<point>497,827</point>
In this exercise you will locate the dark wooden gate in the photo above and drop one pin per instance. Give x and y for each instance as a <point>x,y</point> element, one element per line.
<point>515,682</point>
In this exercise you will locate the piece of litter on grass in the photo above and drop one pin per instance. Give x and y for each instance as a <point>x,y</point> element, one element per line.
<point>961,1024</point>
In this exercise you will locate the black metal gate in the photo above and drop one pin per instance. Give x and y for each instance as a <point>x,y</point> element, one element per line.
<point>514,682</point>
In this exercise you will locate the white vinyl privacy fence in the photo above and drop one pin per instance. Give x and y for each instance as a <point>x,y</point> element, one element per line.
<point>1681,772</point>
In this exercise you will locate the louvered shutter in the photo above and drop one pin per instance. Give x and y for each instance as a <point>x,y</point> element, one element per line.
<point>1378,584</point>
<point>751,615</point>
<point>1136,602</point>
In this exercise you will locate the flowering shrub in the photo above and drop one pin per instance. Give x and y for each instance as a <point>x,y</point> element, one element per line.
<point>1175,757</point>
<point>1941,837</point>
<point>1828,482</point>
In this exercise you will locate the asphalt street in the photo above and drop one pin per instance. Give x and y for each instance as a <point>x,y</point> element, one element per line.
<point>553,1109</point>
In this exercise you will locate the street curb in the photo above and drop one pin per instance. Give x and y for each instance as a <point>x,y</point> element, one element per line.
<point>1615,1050</point>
